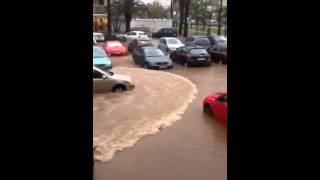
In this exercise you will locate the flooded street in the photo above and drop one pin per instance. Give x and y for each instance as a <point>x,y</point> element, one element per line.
<point>162,145</point>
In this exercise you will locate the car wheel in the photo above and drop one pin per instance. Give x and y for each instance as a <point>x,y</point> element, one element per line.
<point>118,88</point>
<point>207,110</point>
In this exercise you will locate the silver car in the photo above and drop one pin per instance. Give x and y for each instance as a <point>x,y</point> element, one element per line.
<point>108,81</point>
<point>169,44</point>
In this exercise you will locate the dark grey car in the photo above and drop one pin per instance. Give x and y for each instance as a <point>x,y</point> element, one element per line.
<point>197,41</point>
<point>151,57</point>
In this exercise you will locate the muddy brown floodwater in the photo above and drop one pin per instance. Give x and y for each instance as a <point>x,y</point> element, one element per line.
<point>193,147</point>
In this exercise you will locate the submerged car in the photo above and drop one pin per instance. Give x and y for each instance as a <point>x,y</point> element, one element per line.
<point>216,106</point>
<point>136,35</point>
<point>100,58</point>
<point>218,53</point>
<point>115,47</point>
<point>165,32</point>
<point>108,81</point>
<point>151,57</point>
<point>169,44</point>
<point>191,56</point>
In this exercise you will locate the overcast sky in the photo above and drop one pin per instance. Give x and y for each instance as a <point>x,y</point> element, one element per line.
<point>163,2</point>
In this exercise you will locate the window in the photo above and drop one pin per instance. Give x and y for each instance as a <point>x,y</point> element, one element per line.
<point>97,75</point>
<point>141,34</point>
<point>173,41</point>
<point>132,33</point>
<point>154,53</point>
<point>202,42</point>
<point>198,51</point>
<point>223,98</point>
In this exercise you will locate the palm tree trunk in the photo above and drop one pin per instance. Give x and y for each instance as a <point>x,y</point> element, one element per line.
<point>185,34</point>
<point>109,18</point>
<point>127,18</point>
<point>219,18</point>
<point>181,6</point>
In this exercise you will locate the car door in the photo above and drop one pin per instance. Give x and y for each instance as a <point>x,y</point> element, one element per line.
<point>213,51</point>
<point>101,82</point>
<point>181,55</point>
<point>220,108</point>
<point>139,55</point>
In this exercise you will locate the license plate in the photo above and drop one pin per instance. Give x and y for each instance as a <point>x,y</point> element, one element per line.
<point>201,59</point>
<point>163,67</point>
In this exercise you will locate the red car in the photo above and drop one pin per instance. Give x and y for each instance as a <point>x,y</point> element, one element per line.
<point>115,47</point>
<point>216,106</point>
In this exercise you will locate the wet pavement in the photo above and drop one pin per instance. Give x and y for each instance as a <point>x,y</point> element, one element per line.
<point>194,147</point>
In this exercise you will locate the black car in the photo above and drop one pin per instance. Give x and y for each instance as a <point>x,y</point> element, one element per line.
<point>217,40</point>
<point>151,57</point>
<point>139,43</point>
<point>201,41</point>
<point>165,32</point>
<point>218,53</point>
<point>191,56</point>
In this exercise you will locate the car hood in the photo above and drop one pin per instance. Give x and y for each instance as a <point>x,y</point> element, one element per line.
<point>157,59</point>
<point>121,77</point>
<point>101,60</point>
<point>174,46</point>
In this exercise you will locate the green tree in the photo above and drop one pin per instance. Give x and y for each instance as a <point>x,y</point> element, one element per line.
<point>156,10</point>
<point>132,8</point>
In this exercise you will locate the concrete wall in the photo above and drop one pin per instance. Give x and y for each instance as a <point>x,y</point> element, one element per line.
<point>153,24</point>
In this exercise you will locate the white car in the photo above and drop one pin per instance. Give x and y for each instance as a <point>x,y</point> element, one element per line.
<point>98,36</point>
<point>169,44</point>
<point>136,35</point>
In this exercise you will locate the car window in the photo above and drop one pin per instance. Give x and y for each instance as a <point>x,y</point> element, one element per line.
<point>97,74</point>
<point>202,42</point>
<point>142,34</point>
<point>114,44</point>
<point>223,98</point>
<point>153,52</point>
<point>198,51</point>
<point>131,33</point>
<point>172,41</point>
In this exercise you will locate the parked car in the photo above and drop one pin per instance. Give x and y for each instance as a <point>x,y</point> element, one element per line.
<point>191,56</point>
<point>217,40</point>
<point>216,106</point>
<point>151,57</point>
<point>136,35</point>
<point>99,37</point>
<point>108,81</point>
<point>121,37</point>
<point>165,32</point>
<point>139,43</point>
<point>218,53</point>
<point>197,41</point>
<point>100,58</point>
<point>169,44</point>
<point>115,47</point>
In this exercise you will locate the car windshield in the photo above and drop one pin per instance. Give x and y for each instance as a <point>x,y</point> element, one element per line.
<point>221,39</point>
<point>131,33</point>
<point>198,51</point>
<point>153,53</point>
<point>202,42</point>
<point>145,43</point>
<point>97,53</point>
<point>99,36</point>
<point>172,41</point>
<point>141,34</point>
<point>114,44</point>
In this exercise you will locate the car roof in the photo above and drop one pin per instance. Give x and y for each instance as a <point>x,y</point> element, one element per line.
<point>149,47</point>
<point>168,38</point>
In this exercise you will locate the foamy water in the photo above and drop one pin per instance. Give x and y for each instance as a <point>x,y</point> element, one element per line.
<point>121,120</point>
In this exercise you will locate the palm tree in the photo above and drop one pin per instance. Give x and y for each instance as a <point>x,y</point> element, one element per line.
<point>219,17</point>
<point>130,7</point>
<point>181,9</point>
<point>186,15</point>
